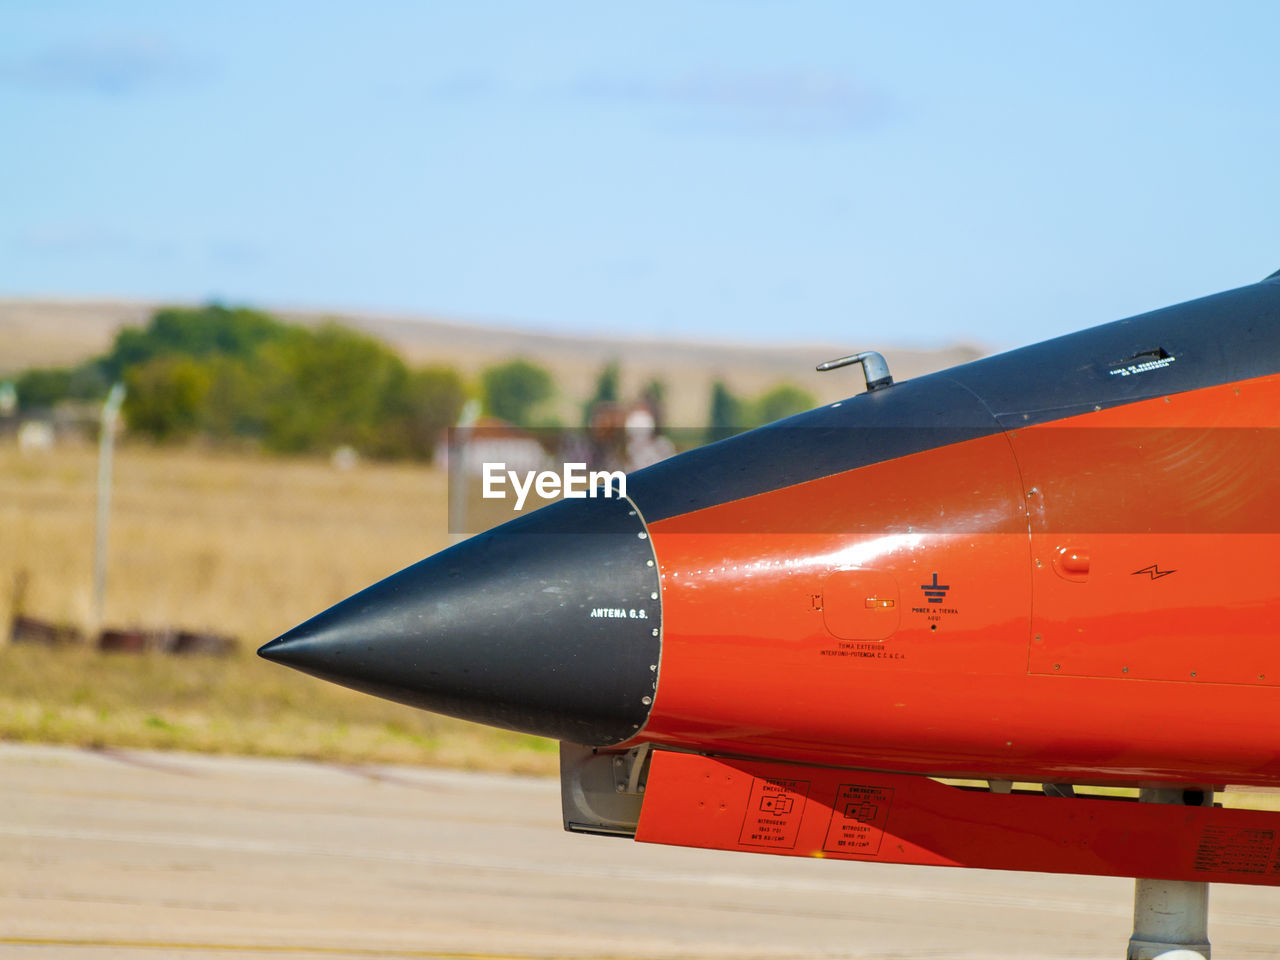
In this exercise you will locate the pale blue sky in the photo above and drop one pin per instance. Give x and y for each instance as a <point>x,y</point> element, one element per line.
<point>863,173</point>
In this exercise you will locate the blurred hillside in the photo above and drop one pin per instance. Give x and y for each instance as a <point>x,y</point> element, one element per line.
<point>64,332</point>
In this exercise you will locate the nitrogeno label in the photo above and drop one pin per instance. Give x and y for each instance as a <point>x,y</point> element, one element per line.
<point>774,812</point>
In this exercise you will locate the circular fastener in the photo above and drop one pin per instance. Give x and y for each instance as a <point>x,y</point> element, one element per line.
<point>655,631</point>
<point>646,700</point>
<point>648,563</point>
<point>642,535</point>
<point>653,666</point>
<point>1124,669</point>
<point>1057,666</point>
<point>653,596</point>
<point>631,513</point>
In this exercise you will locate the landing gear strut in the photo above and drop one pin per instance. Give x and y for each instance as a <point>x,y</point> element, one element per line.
<point>1171,917</point>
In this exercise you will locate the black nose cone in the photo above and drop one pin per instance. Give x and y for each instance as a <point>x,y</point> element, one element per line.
<point>548,624</point>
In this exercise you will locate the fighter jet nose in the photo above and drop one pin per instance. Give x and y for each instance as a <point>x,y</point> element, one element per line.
<point>549,624</point>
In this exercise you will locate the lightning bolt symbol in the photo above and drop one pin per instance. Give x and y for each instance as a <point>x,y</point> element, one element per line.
<point>1154,571</point>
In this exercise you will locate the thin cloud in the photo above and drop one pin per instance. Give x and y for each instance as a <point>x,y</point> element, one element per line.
<point>109,67</point>
<point>468,85</point>
<point>76,240</point>
<point>68,238</point>
<point>229,252</point>
<point>799,103</point>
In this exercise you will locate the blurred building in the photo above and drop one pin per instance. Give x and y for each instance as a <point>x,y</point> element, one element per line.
<point>490,440</point>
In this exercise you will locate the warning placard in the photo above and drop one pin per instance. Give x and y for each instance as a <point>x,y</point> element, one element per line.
<point>858,817</point>
<point>1237,850</point>
<point>774,811</point>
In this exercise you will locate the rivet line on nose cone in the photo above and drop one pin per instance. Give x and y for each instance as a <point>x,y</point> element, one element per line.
<point>655,595</point>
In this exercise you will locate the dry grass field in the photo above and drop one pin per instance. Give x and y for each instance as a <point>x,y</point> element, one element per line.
<point>235,543</point>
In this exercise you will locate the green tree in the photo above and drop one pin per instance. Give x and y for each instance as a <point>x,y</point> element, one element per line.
<point>606,390</point>
<point>654,392</point>
<point>235,403</point>
<point>237,373</point>
<point>607,383</point>
<point>726,412</point>
<point>430,403</point>
<point>781,401</point>
<point>40,388</point>
<point>654,395</point>
<point>328,387</point>
<point>514,390</point>
<point>88,382</point>
<point>193,332</point>
<point>166,397</point>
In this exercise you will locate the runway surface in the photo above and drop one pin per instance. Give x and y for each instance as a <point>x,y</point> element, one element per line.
<point>121,854</point>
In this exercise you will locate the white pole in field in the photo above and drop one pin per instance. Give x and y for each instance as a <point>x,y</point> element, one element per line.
<point>106,446</point>
<point>459,477</point>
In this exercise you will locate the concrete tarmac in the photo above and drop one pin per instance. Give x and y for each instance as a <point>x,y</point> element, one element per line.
<point>124,855</point>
